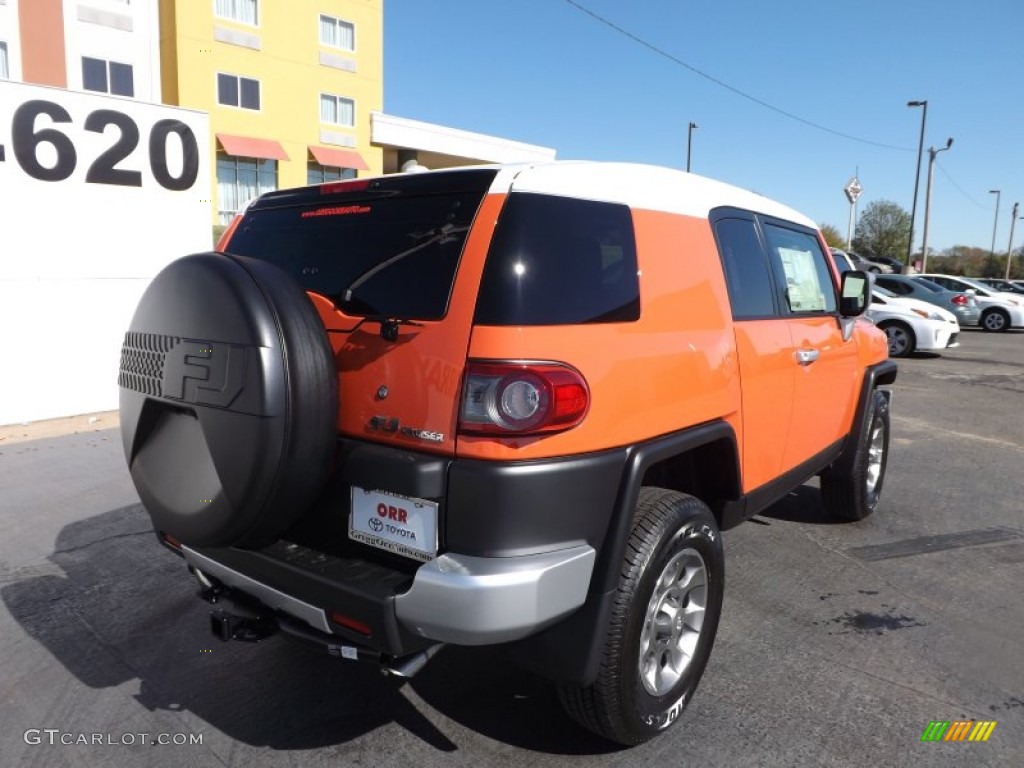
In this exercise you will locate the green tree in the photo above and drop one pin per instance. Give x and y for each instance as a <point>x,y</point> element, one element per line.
<point>883,229</point>
<point>832,236</point>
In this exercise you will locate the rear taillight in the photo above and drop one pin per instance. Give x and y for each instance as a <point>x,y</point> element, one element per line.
<point>522,398</point>
<point>960,299</point>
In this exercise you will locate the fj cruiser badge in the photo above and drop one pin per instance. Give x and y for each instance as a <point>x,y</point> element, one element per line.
<point>391,425</point>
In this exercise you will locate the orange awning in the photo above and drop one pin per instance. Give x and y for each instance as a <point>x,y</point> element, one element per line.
<point>338,158</point>
<point>245,146</point>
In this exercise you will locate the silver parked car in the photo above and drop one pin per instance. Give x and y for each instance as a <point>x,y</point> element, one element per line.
<point>963,305</point>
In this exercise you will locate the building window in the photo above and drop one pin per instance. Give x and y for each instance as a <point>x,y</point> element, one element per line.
<point>337,33</point>
<point>241,179</point>
<point>4,71</point>
<point>107,77</point>
<point>234,91</point>
<point>242,11</point>
<point>318,174</point>
<point>337,110</point>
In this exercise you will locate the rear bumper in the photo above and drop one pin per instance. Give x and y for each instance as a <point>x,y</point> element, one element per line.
<point>454,598</point>
<point>482,600</point>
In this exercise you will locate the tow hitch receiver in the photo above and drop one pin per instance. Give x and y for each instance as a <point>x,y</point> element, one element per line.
<point>227,627</point>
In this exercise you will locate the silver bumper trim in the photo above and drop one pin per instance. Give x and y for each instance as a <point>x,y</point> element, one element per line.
<point>269,596</point>
<point>483,600</point>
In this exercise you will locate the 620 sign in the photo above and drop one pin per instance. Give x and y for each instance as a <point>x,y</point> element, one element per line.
<point>27,139</point>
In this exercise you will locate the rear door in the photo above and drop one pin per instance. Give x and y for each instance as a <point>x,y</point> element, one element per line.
<point>763,345</point>
<point>392,266</point>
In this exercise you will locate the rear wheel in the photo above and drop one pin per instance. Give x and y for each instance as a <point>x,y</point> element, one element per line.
<point>902,340</point>
<point>663,622</point>
<point>995,320</point>
<point>854,495</point>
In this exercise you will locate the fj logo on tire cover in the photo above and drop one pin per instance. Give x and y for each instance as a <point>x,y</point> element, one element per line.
<point>204,373</point>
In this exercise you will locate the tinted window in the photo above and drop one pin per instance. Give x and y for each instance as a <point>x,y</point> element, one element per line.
<point>250,93</point>
<point>121,80</point>
<point>929,285</point>
<point>227,89</point>
<point>809,285</point>
<point>403,249</point>
<point>746,268</point>
<point>94,74</point>
<point>558,261</point>
<point>896,286</point>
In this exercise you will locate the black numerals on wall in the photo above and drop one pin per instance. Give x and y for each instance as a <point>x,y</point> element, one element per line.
<point>27,139</point>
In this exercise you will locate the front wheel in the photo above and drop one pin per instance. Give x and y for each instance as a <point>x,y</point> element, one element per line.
<point>663,622</point>
<point>901,338</point>
<point>854,495</point>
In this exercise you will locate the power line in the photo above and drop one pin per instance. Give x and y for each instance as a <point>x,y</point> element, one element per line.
<point>723,84</point>
<point>960,189</point>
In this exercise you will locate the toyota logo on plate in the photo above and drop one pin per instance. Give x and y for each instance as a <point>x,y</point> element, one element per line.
<point>376,524</point>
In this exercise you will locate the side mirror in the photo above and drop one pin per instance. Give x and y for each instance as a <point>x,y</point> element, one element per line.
<point>855,289</point>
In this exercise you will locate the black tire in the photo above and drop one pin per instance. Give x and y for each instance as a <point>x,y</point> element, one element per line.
<point>995,320</point>
<point>672,532</point>
<point>900,336</point>
<point>854,495</point>
<point>228,398</point>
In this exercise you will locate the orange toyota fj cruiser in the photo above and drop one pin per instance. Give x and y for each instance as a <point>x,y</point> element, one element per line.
<point>508,405</point>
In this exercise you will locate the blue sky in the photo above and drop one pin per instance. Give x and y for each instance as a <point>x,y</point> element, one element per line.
<point>542,71</point>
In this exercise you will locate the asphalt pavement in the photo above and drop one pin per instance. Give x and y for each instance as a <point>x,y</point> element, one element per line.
<point>839,642</point>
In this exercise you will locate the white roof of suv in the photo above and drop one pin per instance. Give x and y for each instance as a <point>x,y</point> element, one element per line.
<point>646,187</point>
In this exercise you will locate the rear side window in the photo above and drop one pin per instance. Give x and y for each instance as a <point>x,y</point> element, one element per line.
<point>746,269</point>
<point>560,261</point>
<point>396,254</point>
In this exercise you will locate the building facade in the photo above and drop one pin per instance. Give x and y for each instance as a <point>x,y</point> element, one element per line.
<point>289,87</point>
<point>107,46</point>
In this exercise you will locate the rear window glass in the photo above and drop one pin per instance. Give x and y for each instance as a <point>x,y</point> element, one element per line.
<point>560,261</point>
<point>396,254</point>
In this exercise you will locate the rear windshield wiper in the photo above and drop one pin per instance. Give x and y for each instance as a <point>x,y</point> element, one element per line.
<point>389,325</point>
<point>439,235</point>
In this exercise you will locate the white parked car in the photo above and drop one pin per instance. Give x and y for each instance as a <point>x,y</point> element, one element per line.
<point>911,324</point>
<point>999,311</point>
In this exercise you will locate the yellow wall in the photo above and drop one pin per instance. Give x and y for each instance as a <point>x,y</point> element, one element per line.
<point>287,66</point>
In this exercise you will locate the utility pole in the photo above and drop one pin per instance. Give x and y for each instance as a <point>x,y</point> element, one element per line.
<point>995,225</point>
<point>1009,248</point>
<point>932,152</point>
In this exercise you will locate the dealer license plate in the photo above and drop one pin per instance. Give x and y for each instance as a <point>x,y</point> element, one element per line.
<point>398,524</point>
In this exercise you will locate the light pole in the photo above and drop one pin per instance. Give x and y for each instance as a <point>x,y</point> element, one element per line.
<point>932,152</point>
<point>917,176</point>
<point>1009,248</point>
<point>995,225</point>
<point>689,144</point>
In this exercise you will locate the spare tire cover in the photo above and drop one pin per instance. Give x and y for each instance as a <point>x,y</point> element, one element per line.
<point>228,397</point>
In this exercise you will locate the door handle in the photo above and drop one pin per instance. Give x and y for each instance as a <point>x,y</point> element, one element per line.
<point>806,356</point>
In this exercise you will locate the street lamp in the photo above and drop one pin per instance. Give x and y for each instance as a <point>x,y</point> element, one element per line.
<point>1009,248</point>
<point>995,225</point>
<point>917,176</point>
<point>932,152</point>
<point>689,144</point>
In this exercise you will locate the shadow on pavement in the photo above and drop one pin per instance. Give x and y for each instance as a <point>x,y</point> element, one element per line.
<point>803,505</point>
<point>126,608</point>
